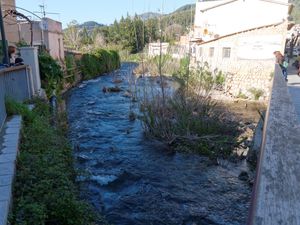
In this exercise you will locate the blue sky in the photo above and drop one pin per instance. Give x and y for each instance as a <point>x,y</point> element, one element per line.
<point>101,11</point>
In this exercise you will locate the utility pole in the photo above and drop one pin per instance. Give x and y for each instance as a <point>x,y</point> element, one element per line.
<point>4,44</point>
<point>160,57</point>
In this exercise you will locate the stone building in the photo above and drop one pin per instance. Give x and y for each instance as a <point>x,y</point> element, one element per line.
<point>10,23</point>
<point>238,37</point>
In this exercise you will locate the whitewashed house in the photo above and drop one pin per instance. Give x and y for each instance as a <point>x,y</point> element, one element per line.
<point>239,37</point>
<point>156,48</point>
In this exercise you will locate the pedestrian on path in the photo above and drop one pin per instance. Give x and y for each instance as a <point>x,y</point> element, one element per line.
<point>282,63</point>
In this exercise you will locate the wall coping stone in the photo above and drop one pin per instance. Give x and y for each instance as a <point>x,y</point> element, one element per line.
<point>276,195</point>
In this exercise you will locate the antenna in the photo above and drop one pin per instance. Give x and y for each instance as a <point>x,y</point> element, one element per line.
<point>43,11</point>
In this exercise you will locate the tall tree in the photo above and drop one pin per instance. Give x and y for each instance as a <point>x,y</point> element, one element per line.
<point>72,35</point>
<point>85,37</point>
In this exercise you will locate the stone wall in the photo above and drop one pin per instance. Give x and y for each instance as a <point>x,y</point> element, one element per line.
<point>242,74</point>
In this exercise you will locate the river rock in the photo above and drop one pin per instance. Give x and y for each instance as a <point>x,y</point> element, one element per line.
<point>82,158</point>
<point>127,94</point>
<point>111,89</point>
<point>117,81</point>
<point>104,179</point>
<point>91,103</point>
<point>244,176</point>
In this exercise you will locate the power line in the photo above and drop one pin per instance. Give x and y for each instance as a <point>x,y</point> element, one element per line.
<point>43,11</point>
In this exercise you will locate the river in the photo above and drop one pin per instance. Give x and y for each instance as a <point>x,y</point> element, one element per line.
<point>132,180</point>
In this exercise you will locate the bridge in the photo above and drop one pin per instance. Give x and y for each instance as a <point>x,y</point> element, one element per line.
<point>276,194</point>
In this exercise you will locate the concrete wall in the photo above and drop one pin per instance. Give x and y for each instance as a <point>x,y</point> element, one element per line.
<point>30,56</point>
<point>25,33</point>
<point>15,83</point>
<point>251,60</point>
<point>54,37</point>
<point>51,36</point>
<point>2,105</point>
<point>277,191</point>
<point>237,15</point>
<point>55,45</point>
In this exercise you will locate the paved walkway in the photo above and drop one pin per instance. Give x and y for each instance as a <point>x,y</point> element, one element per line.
<point>9,144</point>
<point>294,88</point>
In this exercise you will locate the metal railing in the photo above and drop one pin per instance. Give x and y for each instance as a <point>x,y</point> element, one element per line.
<point>15,83</point>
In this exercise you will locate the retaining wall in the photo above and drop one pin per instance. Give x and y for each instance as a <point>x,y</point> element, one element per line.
<point>276,196</point>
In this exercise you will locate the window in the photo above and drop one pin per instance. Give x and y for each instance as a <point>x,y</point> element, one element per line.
<point>211,51</point>
<point>226,52</point>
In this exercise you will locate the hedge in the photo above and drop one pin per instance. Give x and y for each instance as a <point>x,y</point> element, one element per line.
<point>98,62</point>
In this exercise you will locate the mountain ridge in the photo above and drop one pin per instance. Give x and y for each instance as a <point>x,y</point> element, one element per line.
<point>89,25</point>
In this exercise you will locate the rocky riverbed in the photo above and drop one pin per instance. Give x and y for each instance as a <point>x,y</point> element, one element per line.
<point>136,181</point>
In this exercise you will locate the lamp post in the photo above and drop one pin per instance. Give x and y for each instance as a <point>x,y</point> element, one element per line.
<point>4,44</point>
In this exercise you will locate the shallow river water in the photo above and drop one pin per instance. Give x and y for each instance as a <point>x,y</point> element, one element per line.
<point>135,181</point>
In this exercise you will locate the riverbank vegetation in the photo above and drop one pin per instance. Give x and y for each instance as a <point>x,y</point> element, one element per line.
<point>98,62</point>
<point>51,73</point>
<point>188,119</point>
<point>45,191</point>
<point>151,65</point>
<point>56,75</point>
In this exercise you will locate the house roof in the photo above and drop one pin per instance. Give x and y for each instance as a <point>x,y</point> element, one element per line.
<point>232,1</point>
<point>218,5</point>
<point>232,34</point>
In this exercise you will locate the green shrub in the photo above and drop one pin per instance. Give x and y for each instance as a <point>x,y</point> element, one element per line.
<point>190,123</point>
<point>51,73</point>
<point>257,93</point>
<point>71,67</point>
<point>116,61</point>
<point>242,96</point>
<point>183,72</point>
<point>220,78</point>
<point>98,62</point>
<point>13,108</point>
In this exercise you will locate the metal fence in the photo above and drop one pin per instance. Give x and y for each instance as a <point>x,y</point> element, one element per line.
<point>15,83</point>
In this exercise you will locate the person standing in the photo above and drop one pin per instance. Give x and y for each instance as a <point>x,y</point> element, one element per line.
<point>282,63</point>
<point>12,50</point>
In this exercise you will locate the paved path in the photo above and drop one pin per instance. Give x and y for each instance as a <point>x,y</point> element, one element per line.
<point>294,88</point>
<point>9,145</point>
